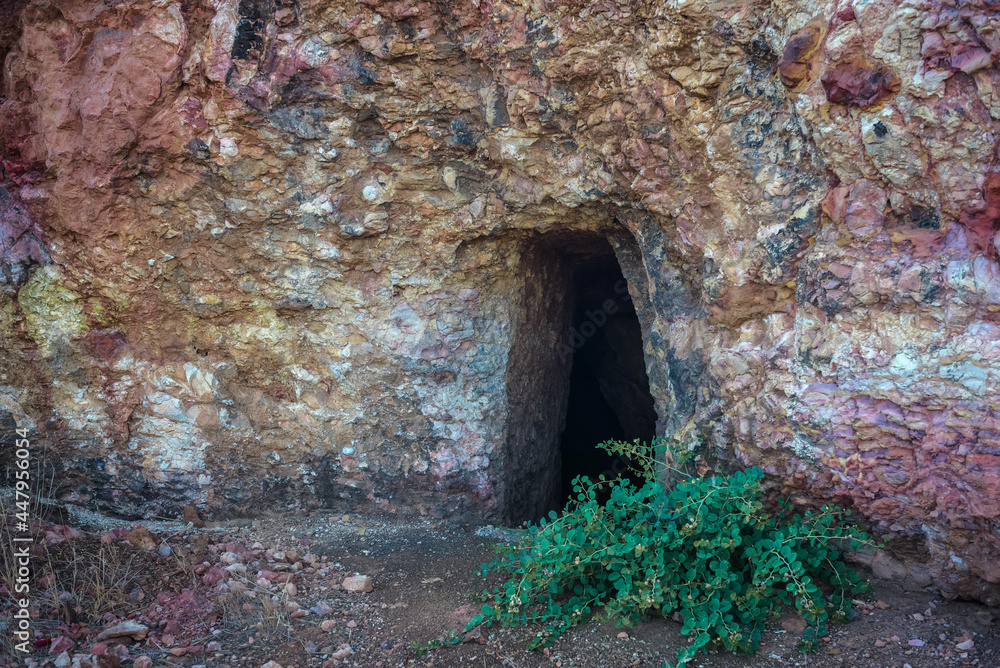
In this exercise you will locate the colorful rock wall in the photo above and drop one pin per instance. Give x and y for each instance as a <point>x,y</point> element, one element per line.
<point>285,253</point>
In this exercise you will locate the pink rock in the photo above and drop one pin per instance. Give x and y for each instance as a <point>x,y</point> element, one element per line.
<point>271,576</point>
<point>215,575</point>
<point>933,45</point>
<point>859,83</point>
<point>865,210</point>
<point>972,60</point>
<point>61,644</point>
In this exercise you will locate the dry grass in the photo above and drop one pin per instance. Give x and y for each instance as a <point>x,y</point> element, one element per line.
<point>245,608</point>
<point>8,568</point>
<point>87,583</point>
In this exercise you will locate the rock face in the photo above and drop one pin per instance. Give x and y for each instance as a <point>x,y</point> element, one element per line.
<point>279,253</point>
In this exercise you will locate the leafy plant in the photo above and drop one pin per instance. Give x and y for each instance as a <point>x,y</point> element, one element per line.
<point>705,548</point>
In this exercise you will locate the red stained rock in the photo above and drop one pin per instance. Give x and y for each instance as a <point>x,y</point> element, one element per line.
<point>983,224</point>
<point>61,644</point>
<point>971,60</point>
<point>859,83</point>
<point>214,576</point>
<point>191,189</point>
<point>865,208</point>
<point>795,63</point>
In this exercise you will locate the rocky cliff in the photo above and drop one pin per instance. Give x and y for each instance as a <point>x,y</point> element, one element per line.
<point>277,253</point>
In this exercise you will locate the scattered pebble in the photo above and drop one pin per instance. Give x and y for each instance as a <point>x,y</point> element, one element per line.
<point>357,583</point>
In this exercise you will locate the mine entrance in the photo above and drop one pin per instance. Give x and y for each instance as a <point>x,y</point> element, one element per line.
<point>576,374</point>
<point>609,394</point>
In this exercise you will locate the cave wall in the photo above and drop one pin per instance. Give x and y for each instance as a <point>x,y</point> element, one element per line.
<point>266,254</point>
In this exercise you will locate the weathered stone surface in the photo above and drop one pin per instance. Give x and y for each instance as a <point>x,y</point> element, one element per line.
<point>357,583</point>
<point>291,254</point>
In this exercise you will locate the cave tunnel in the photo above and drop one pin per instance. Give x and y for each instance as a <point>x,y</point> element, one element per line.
<point>576,375</point>
<point>609,394</point>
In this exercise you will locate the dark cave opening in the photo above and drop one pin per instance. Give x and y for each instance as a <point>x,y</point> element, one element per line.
<point>576,373</point>
<point>609,395</point>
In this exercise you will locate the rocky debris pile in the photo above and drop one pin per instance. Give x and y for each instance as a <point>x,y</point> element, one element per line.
<point>201,597</point>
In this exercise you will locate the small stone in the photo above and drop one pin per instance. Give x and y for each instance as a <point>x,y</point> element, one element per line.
<point>352,624</point>
<point>834,651</point>
<point>60,644</point>
<point>142,538</point>
<point>358,583</point>
<point>966,646</point>
<point>623,635</point>
<point>916,642</point>
<point>133,630</point>
<point>882,605</point>
<point>894,638</point>
<point>880,643</point>
<point>321,608</point>
<point>271,664</point>
<point>229,558</point>
<point>291,589</point>
<point>298,614</point>
<point>475,635</point>
<point>213,646</point>
<point>214,576</point>
<point>340,653</point>
<point>179,651</point>
<point>917,617</point>
<point>793,623</point>
<point>191,516</point>
<point>328,625</point>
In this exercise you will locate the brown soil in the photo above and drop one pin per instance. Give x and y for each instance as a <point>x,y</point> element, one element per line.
<point>424,575</point>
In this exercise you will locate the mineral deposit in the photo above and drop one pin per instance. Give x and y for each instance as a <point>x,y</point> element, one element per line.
<point>267,254</point>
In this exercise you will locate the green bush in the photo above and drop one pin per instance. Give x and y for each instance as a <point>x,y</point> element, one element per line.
<point>705,548</point>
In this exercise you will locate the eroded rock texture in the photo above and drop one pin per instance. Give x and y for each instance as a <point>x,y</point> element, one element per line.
<point>267,253</point>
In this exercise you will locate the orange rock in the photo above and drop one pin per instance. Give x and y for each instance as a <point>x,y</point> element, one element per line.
<point>142,538</point>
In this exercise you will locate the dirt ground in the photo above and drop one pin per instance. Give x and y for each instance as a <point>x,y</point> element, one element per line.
<point>423,577</point>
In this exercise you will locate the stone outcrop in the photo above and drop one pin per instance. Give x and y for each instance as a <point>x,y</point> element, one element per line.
<point>261,254</point>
